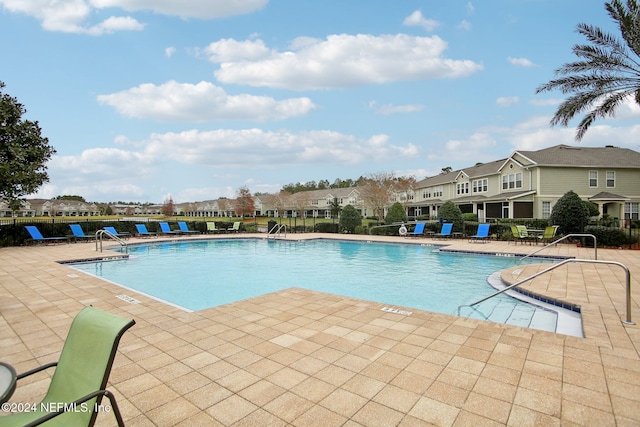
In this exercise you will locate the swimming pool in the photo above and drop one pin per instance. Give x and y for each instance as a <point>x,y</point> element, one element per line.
<point>200,274</point>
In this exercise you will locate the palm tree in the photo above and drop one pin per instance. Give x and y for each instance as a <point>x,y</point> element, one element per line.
<point>608,73</point>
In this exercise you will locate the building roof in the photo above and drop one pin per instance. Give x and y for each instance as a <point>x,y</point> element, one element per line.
<point>606,196</point>
<point>572,156</point>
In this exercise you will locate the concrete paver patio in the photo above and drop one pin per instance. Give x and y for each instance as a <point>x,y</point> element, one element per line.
<point>305,358</point>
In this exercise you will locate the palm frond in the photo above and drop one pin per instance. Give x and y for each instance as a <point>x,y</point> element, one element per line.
<point>607,72</point>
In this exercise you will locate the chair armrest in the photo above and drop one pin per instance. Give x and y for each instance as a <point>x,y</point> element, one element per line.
<point>76,403</point>
<point>38,369</point>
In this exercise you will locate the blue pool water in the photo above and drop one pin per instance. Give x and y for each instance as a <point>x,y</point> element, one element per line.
<point>202,274</point>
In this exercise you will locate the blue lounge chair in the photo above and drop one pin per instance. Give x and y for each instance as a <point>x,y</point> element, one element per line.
<point>418,231</point>
<point>78,233</point>
<point>36,236</point>
<point>142,230</point>
<point>482,235</point>
<point>113,231</point>
<point>164,228</point>
<point>445,231</point>
<point>185,229</point>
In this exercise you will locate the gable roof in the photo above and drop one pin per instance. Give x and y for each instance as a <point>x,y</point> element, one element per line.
<point>572,156</point>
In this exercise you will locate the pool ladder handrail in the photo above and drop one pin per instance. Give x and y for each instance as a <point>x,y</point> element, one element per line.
<point>277,231</point>
<point>101,233</point>
<point>627,321</point>
<point>595,244</point>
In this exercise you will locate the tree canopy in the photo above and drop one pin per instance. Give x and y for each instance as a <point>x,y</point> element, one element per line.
<point>450,212</point>
<point>245,206</point>
<point>24,152</point>
<point>350,218</point>
<point>570,214</point>
<point>396,213</point>
<point>607,73</point>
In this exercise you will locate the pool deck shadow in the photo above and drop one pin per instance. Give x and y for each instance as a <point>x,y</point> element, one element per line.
<point>304,358</point>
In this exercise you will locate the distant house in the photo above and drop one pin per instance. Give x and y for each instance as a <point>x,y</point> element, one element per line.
<point>527,184</point>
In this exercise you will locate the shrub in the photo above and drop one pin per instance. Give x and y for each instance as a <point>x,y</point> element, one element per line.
<point>350,218</point>
<point>608,237</point>
<point>470,217</point>
<point>326,227</point>
<point>570,214</point>
<point>450,212</point>
<point>592,208</point>
<point>396,214</point>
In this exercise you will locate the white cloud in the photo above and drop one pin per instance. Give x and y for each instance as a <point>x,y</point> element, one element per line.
<point>470,8</point>
<point>417,19</point>
<point>464,25</point>
<point>473,149</point>
<point>173,101</point>
<point>388,109</point>
<point>230,50</point>
<point>169,51</point>
<point>200,9</point>
<point>521,62</point>
<point>72,16</point>
<point>113,24</point>
<point>255,148</point>
<point>507,101</point>
<point>339,61</point>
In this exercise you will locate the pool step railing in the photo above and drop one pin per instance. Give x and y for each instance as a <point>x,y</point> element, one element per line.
<point>276,231</point>
<point>595,244</point>
<point>100,234</point>
<point>627,321</point>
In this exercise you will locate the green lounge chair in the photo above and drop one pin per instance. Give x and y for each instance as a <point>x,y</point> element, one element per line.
<point>236,227</point>
<point>211,228</point>
<point>80,377</point>
<point>549,234</point>
<point>523,234</point>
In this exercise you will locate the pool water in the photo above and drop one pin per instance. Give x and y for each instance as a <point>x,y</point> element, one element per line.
<point>200,274</point>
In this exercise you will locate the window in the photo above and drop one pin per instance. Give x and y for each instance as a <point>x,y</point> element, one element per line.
<point>611,179</point>
<point>426,193</point>
<point>546,209</point>
<point>462,188</point>
<point>631,210</point>
<point>513,180</point>
<point>480,185</point>
<point>593,178</point>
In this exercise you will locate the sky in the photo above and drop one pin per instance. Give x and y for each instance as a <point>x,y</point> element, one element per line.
<point>193,99</point>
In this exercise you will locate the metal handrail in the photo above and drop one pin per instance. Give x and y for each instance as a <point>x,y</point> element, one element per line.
<point>278,230</point>
<point>553,267</point>
<point>101,233</point>
<point>595,244</point>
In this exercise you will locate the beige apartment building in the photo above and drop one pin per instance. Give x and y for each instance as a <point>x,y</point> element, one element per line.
<point>527,184</point>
